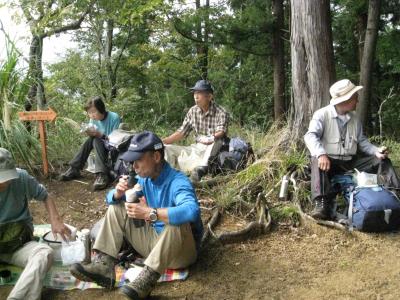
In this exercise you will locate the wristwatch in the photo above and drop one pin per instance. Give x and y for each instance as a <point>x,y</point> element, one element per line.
<point>153,215</point>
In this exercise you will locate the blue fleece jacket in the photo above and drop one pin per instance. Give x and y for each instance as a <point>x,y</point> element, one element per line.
<point>173,190</point>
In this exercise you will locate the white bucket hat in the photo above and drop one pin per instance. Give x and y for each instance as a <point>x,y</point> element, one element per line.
<point>7,166</point>
<point>342,90</point>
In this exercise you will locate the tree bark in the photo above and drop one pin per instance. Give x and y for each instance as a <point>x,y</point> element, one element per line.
<point>278,61</point>
<point>36,93</point>
<point>361,28</point>
<point>368,57</point>
<point>202,47</point>
<point>313,70</point>
<point>112,80</point>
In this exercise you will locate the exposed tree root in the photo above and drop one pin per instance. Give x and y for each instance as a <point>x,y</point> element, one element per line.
<point>305,217</point>
<point>255,228</point>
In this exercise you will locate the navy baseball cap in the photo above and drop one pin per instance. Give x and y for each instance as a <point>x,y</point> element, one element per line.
<point>140,143</point>
<point>202,85</point>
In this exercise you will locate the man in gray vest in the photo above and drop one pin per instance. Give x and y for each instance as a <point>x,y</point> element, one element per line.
<point>337,144</point>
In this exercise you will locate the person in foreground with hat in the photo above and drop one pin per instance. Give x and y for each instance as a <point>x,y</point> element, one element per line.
<point>209,122</point>
<point>169,238</point>
<point>337,144</point>
<point>17,246</point>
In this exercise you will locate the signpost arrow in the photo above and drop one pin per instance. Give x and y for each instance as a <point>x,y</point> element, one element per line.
<point>40,116</point>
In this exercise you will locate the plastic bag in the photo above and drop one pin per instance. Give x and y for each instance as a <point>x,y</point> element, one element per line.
<point>364,179</point>
<point>72,252</point>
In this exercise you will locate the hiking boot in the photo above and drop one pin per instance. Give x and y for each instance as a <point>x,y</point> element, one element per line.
<point>70,174</point>
<point>198,173</point>
<point>101,182</point>
<point>321,209</point>
<point>142,286</point>
<point>100,270</point>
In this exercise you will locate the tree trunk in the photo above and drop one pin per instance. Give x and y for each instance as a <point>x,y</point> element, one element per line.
<point>108,59</point>
<point>40,95</point>
<point>371,37</point>
<point>36,92</point>
<point>361,28</point>
<point>32,72</point>
<point>278,61</point>
<point>313,70</point>
<point>202,47</point>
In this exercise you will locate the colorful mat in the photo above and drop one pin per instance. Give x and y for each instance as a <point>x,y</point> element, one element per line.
<point>59,277</point>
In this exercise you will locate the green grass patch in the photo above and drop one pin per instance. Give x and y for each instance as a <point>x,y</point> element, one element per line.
<point>285,213</point>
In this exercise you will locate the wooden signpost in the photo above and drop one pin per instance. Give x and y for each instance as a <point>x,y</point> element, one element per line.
<point>41,116</point>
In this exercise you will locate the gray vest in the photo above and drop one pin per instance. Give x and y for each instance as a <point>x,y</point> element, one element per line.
<point>333,143</point>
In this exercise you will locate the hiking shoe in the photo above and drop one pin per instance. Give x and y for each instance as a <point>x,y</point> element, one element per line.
<point>100,270</point>
<point>198,173</point>
<point>101,182</point>
<point>142,286</point>
<point>321,209</point>
<point>70,174</point>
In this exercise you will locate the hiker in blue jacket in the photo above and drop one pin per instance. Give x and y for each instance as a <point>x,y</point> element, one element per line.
<point>337,144</point>
<point>169,238</point>
<point>17,246</point>
<point>101,124</point>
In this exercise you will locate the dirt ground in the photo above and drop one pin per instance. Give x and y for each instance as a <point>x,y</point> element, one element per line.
<point>309,262</point>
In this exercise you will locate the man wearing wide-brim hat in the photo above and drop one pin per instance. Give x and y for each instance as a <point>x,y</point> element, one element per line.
<point>337,144</point>
<point>209,122</point>
<point>17,246</point>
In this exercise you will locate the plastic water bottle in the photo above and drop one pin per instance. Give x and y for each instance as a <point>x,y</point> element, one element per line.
<point>85,238</point>
<point>132,196</point>
<point>284,188</point>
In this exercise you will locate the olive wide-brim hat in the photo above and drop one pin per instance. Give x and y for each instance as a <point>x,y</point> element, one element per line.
<point>7,166</point>
<point>342,91</point>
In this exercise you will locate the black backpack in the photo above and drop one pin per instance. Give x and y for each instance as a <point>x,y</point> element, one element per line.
<point>118,144</point>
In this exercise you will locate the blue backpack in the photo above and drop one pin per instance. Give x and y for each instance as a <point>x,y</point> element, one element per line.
<point>373,209</point>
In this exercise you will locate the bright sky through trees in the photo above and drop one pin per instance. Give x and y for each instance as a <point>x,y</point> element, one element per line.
<point>54,47</point>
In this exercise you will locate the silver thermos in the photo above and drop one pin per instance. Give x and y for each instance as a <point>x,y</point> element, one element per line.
<point>85,238</point>
<point>132,196</point>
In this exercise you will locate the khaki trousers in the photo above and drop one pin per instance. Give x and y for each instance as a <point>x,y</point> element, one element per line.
<point>187,158</point>
<point>36,259</point>
<point>173,248</point>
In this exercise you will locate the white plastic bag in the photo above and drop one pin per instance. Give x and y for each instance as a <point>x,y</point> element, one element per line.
<point>366,179</point>
<point>72,252</point>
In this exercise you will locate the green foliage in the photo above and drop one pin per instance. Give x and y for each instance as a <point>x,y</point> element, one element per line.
<point>12,88</point>
<point>22,144</point>
<point>288,214</point>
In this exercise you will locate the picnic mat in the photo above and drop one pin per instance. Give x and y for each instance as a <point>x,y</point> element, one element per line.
<point>59,277</point>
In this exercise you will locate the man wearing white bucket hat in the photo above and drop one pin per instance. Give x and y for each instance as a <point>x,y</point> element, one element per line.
<point>337,144</point>
<point>17,246</point>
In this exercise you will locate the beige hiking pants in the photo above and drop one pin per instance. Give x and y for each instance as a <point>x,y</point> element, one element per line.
<point>173,248</point>
<point>36,259</point>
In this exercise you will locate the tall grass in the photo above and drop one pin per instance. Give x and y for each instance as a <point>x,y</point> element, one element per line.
<point>22,144</point>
